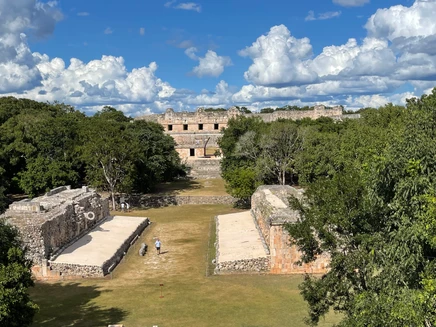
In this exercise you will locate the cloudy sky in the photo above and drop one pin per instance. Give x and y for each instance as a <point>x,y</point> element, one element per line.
<point>144,56</point>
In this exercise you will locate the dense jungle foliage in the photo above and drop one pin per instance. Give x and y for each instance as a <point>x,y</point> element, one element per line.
<point>45,145</point>
<point>370,187</point>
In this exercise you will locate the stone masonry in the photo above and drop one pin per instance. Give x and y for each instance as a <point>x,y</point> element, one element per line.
<point>49,222</point>
<point>193,130</point>
<point>271,211</point>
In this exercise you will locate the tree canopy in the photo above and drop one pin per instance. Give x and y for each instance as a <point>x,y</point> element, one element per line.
<point>45,145</point>
<point>16,307</point>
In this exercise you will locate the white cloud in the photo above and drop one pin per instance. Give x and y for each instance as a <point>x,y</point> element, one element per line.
<point>351,3</point>
<point>210,65</point>
<point>278,59</point>
<point>400,48</point>
<point>400,21</point>
<point>184,5</point>
<point>189,6</point>
<point>141,31</point>
<point>190,52</point>
<point>83,13</point>
<point>108,30</point>
<point>323,16</point>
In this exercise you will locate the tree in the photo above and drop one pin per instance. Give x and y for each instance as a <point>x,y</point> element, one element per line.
<point>279,148</point>
<point>108,151</point>
<point>376,218</point>
<point>16,308</point>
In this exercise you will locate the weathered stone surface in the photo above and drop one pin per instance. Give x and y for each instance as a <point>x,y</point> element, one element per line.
<point>248,265</point>
<point>157,201</point>
<point>191,130</point>
<point>270,210</point>
<point>63,216</point>
<point>77,263</point>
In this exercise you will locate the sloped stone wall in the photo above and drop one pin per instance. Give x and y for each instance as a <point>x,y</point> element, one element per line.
<point>62,216</point>
<point>271,211</point>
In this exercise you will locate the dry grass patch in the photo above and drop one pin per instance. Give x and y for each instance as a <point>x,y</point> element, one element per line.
<point>132,296</point>
<point>193,187</point>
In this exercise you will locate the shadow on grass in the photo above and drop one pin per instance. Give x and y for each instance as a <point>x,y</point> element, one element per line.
<point>71,304</point>
<point>176,187</point>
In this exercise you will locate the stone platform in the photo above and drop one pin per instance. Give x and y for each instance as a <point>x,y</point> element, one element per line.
<point>239,244</point>
<point>97,252</point>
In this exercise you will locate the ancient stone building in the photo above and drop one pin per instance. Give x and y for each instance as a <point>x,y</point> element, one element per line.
<point>192,131</point>
<point>270,210</point>
<point>49,222</point>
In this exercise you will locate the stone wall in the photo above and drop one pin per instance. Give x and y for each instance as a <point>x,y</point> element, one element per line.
<point>158,201</point>
<point>284,256</point>
<point>271,211</point>
<point>60,217</point>
<point>76,270</point>
<point>247,265</point>
<point>190,130</point>
<point>204,168</point>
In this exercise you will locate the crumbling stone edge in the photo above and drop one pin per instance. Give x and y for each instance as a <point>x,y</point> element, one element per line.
<point>77,270</point>
<point>261,264</point>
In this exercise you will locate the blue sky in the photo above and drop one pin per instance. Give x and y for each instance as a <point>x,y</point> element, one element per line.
<point>145,56</point>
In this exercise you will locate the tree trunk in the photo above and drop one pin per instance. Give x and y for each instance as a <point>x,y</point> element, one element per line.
<point>113,200</point>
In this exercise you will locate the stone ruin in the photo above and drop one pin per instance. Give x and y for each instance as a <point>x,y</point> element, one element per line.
<point>193,132</point>
<point>270,211</point>
<point>50,223</point>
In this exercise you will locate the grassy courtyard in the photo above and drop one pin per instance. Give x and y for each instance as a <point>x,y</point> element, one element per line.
<point>132,295</point>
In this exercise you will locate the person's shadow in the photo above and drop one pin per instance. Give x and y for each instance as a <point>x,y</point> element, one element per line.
<point>163,252</point>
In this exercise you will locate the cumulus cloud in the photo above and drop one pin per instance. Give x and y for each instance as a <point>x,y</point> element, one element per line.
<point>99,81</point>
<point>209,65</point>
<point>400,48</point>
<point>108,30</point>
<point>326,15</point>
<point>18,70</point>
<point>278,59</point>
<point>351,3</point>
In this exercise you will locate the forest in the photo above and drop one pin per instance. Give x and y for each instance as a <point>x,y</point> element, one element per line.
<point>45,145</point>
<point>370,202</point>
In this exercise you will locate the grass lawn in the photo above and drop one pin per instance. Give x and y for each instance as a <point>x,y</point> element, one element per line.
<point>193,187</point>
<point>132,295</point>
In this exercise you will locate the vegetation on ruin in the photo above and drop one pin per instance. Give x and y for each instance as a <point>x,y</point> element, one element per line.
<point>190,298</point>
<point>370,203</point>
<point>16,307</point>
<point>45,145</point>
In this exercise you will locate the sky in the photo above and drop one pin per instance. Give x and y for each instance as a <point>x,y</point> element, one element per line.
<point>144,56</point>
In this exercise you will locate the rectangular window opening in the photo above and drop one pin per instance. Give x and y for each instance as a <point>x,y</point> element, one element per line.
<point>170,127</point>
<point>216,126</point>
<point>192,152</point>
<point>185,127</point>
<point>200,127</point>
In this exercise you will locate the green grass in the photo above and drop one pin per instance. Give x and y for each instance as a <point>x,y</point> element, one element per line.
<point>190,298</point>
<point>193,187</point>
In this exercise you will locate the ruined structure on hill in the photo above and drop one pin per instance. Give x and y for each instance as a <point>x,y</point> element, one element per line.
<point>192,131</point>
<point>50,224</point>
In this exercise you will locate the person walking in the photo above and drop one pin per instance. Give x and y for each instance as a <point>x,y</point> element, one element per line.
<point>122,206</point>
<point>158,245</point>
<point>127,206</point>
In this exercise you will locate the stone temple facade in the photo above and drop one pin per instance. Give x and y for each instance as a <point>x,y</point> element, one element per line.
<point>270,210</point>
<point>192,131</point>
<point>49,222</point>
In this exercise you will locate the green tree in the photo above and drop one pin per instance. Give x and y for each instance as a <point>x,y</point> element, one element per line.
<point>376,218</point>
<point>108,151</point>
<point>16,307</point>
<point>279,149</point>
